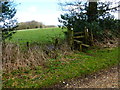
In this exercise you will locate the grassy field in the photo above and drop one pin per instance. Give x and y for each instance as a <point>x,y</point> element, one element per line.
<point>45,35</point>
<point>62,68</point>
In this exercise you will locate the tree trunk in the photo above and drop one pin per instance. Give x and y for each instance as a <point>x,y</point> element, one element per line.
<point>92,16</point>
<point>92,11</point>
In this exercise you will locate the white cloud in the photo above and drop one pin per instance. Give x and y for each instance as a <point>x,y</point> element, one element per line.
<point>47,19</point>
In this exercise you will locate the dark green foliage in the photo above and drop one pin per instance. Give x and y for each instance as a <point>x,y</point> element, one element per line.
<point>7,20</point>
<point>95,16</point>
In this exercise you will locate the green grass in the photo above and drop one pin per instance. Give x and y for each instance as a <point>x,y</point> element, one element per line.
<point>45,35</point>
<point>57,70</point>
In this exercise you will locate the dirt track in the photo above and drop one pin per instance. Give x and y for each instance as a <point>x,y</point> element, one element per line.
<point>103,79</point>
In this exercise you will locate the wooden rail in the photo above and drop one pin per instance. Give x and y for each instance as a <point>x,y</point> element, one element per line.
<point>82,39</point>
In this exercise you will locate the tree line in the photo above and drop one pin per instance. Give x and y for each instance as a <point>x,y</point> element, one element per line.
<point>30,25</point>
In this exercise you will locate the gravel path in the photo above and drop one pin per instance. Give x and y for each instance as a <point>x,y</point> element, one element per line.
<point>102,79</point>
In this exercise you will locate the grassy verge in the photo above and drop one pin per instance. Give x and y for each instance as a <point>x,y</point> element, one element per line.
<point>62,68</point>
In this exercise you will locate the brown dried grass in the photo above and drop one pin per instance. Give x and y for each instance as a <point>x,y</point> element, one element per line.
<point>14,58</point>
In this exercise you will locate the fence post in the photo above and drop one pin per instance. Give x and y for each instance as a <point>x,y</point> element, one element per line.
<point>81,47</point>
<point>27,44</point>
<point>91,38</point>
<point>86,35</point>
<point>70,37</point>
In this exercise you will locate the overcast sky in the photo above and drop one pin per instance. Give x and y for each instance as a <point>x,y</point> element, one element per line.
<point>45,11</point>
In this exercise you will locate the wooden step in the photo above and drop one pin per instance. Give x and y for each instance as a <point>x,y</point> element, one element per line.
<point>76,33</point>
<point>85,45</point>
<point>80,42</point>
<point>78,36</point>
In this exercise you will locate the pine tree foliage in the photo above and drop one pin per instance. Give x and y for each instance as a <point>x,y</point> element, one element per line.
<point>96,16</point>
<point>7,21</point>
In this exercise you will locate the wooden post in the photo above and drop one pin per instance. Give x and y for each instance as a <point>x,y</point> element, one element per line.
<point>81,47</point>
<point>85,34</point>
<point>27,44</point>
<point>70,37</point>
<point>92,41</point>
<point>56,43</point>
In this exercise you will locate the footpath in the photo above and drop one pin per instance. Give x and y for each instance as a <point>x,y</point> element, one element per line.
<point>103,79</point>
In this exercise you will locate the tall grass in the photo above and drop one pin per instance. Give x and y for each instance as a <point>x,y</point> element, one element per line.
<point>14,57</point>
